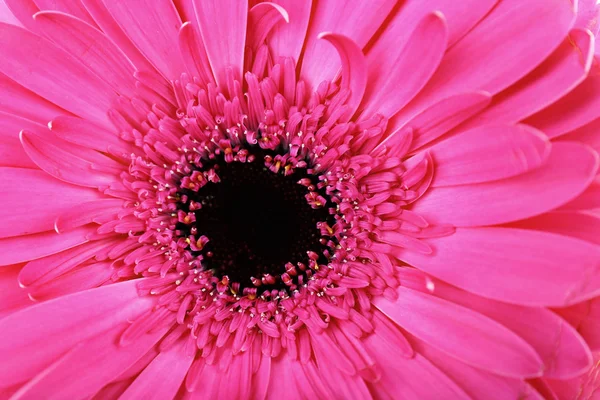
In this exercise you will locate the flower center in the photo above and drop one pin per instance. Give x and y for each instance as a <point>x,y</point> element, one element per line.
<point>255,220</point>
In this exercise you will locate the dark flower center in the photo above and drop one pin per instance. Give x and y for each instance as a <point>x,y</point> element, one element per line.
<point>259,223</point>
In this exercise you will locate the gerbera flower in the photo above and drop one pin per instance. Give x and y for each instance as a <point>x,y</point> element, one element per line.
<point>299,199</point>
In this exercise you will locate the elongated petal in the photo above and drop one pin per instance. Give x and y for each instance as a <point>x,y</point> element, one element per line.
<point>445,115</point>
<point>579,107</point>
<point>61,324</point>
<point>425,48</point>
<point>286,40</point>
<point>578,224</point>
<point>32,200</point>
<point>12,296</point>
<point>262,18</point>
<point>21,102</point>
<point>357,21</point>
<point>488,153</point>
<point>95,362</point>
<point>354,68</point>
<point>154,383</point>
<point>153,26</point>
<point>30,247</point>
<point>568,171</point>
<point>522,35</point>
<point>223,27</point>
<point>556,76</point>
<point>23,10</point>
<point>11,151</point>
<point>71,7</point>
<point>194,53</point>
<point>91,47</point>
<point>514,265</point>
<point>462,333</point>
<point>68,84</point>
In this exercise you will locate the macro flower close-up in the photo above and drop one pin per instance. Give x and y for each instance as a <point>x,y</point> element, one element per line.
<point>299,199</point>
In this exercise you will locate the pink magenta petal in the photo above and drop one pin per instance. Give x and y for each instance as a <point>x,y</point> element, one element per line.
<point>95,211</point>
<point>82,93</point>
<point>70,163</point>
<point>568,171</point>
<point>71,7</point>
<point>194,53</point>
<point>138,17</point>
<point>96,362</point>
<point>30,247</point>
<point>488,153</point>
<point>286,40</point>
<point>12,296</point>
<point>109,26</point>
<point>354,68</point>
<point>478,384</point>
<point>588,200</point>
<point>18,101</point>
<point>583,225</point>
<point>564,352</point>
<point>11,151</point>
<point>33,196</point>
<point>462,333</point>
<point>357,22</point>
<point>262,19</point>
<point>153,383</point>
<point>223,27</point>
<point>425,47</point>
<point>533,265</point>
<point>588,134</point>
<point>84,133</point>
<point>578,108</point>
<point>556,76</point>
<point>445,115</point>
<point>413,377</point>
<point>522,35</point>
<point>23,10</point>
<point>91,47</point>
<point>81,315</point>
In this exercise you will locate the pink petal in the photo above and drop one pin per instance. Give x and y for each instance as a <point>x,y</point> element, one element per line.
<point>11,151</point>
<point>84,133</point>
<point>425,47</point>
<point>12,296</point>
<point>588,200</point>
<point>462,333</point>
<point>522,35</point>
<point>262,18</point>
<point>286,40</point>
<point>70,163</point>
<point>354,69</point>
<point>32,200</point>
<point>445,115</point>
<point>410,378</point>
<point>95,211</point>
<point>223,27</point>
<point>564,352</point>
<point>71,7</point>
<point>26,59</point>
<point>479,384</point>
<point>30,247</point>
<point>154,383</point>
<point>578,224</point>
<point>61,324</point>
<point>23,10</point>
<point>95,362</point>
<point>357,21</point>
<point>91,47</point>
<point>18,101</point>
<point>568,171</point>
<point>109,26</point>
<point>194,53</point>
<point>556,76</point>
<point>574,110</point>
<point>588,134</point>
<point>488,153</point>
<point>532,264</point>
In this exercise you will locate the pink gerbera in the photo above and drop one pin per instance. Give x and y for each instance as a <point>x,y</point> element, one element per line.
<point>299,199</point>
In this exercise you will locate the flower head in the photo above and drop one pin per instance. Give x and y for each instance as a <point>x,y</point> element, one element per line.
<point>299,199</point>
